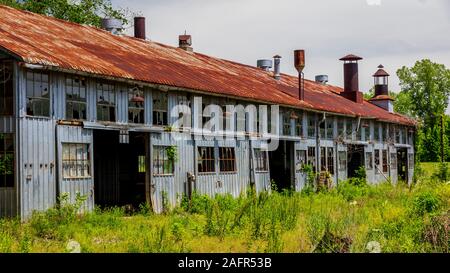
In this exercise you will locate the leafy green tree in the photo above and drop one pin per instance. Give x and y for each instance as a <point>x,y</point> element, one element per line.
<point>425,93</point>
<point>89,12</point>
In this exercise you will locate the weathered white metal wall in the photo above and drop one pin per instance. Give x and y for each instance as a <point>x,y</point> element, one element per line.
<point>37,166</point>
<point>83,186</point>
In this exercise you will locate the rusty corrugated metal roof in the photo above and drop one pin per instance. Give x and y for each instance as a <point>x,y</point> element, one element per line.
<point>43,40</point>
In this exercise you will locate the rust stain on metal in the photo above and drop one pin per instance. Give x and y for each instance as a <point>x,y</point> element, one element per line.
<point>42,40</point>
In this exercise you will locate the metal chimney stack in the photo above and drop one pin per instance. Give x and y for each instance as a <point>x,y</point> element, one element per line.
<point>351,81</point>
<point>299,62</point>
<point>277,68</point>
<point>139,27</point>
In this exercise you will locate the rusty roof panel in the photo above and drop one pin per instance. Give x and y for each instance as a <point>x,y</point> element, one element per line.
<point>43,40</point>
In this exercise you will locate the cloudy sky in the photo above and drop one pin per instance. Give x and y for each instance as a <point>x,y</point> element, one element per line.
<point>389,32</point>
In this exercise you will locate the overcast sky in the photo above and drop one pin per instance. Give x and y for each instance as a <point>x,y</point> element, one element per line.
<point>389,32</point>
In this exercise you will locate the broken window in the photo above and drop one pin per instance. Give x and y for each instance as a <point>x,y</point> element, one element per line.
<point>312,157</point>
<point>341,129</point>
<point>38,94</point>
<point>330,160</point>
<point>75,98</point>
<point>300,162</point>
<point>367,131</point>
<point>261,160</point>
<point>286,124</point>
<point>322,130</point>
<point>206,160</point>
<point>106,102</point>
<point>311,126</point>
<point>342,161</point>
<point>393,160</point>
<point>385,161</point>
<point>163,164</point>
<point>377,160</point>
<point>159,108</point>
<point>369,161</point>
<point>330,128</point>
<point>299,124</point>
<point>136,105</point>
<point>6,89</point>
<point>349,129</point>
<point>6,160</point>
<point>75,160</point>
<point>227,159</point>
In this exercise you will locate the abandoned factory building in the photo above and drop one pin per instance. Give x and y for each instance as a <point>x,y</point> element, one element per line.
<point>88,110</point>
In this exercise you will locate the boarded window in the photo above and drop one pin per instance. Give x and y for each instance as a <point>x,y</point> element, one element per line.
<point>38,94</point>
<point>162,163</point>
<point>75,98</point>
<point>369,161</point>
<point>342,161</point>
<point>261,160</point>
<point>300,160</point>
<point>312,157</point>
<point>136,106</point>
<point>385,161</point>
<point>106,102</point>
<point>227,159</point>
<point>159,108</point>
<point>6,160</point>
<point>411,161</point>
<point>299,124</point>
<point>6,89</point>
<point>311,126</point>
<point>75,160</point>
<point>206,160</point>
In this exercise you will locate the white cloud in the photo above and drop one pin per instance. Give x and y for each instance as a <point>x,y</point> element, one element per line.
<point>394,32</point>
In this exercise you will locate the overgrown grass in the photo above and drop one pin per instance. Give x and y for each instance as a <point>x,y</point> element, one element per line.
<point>352,218</point>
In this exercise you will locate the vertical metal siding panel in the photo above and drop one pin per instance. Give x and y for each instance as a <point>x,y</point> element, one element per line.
<point>91,100</point>
<point>8,200</point>
<point>148,106</point>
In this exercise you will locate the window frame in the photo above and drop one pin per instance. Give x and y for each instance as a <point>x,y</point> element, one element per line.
<point>342,161</point>
<point>311,126</point>
<point>299,124</point>
<point>106,105</point>
<point>385,167</point>
<point>31,99</point>
<point>301,159</point>
<point>136,108</point>
<point>211,158</point>
<point>369,161</point>
<point>6,89</point>
<point>85,161</point>
<point>311,157</point>
<point>227,160</point>
<point>156,150</point>
<point>8,177</point>
<point>261,160</point>
<point>72,100</point>
<point>160,116</point>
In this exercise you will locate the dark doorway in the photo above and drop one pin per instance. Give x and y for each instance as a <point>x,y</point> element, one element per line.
<point>120,169</point>
<point>402,164</point>
<point>282,165</point>
<point>355,159</point>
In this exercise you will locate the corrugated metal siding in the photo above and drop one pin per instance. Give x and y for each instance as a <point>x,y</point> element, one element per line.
<point>7,124</point>
<point>36,164</point>
<point>72,134</point>
<point>173,186</point>
<point>122,103</point>
<point>8,202</point>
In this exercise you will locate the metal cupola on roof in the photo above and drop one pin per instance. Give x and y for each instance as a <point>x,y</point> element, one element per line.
<point>381,97</point>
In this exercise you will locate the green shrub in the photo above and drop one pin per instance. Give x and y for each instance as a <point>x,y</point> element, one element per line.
<point>442,173</point>
<point>425,202</point>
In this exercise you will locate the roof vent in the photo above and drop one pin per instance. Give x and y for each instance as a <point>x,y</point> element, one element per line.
<point>264,64</point>
<point>139,27</point>
<point>112,25</point>
<point>299,63</point>
<point>185,42</point>
<point>323,79</point>
<point>277,67</point>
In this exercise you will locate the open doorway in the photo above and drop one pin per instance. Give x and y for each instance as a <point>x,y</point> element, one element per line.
<point>282,165</point>
<point>402,164</point>
<point>355,159</point>
<point>120,169</point>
